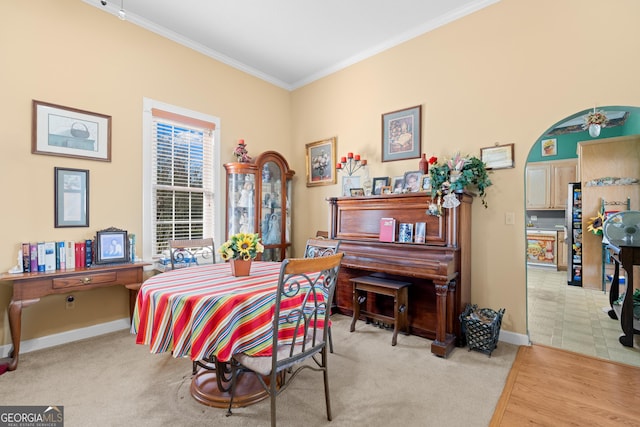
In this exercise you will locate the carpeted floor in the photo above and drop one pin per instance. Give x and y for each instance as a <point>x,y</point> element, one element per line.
<point>111,381</point>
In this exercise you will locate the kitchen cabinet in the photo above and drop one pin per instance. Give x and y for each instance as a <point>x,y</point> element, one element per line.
<point>259,201</point>
<point>547,183</point>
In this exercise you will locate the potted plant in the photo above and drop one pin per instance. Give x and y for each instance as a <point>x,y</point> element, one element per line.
<point>240,250</point>
<point>594,121</point>
<point>455,175</point>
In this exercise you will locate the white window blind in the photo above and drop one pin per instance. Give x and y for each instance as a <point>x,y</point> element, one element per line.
<point>182,178</point>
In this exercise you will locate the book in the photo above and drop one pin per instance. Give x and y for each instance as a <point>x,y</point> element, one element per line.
<point>62,256</point>
<point>50,256</point>
<point>79,255</point>
<point>26,257</point>
<point>41,265</point>
<point>33,249</point>
<point>387,230</point>
<point>88,258</point>
<point>421,232</point>
<point>70,252</point>
<point>405,232</point>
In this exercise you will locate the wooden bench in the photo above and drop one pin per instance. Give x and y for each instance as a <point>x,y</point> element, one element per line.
<point>377,285</point>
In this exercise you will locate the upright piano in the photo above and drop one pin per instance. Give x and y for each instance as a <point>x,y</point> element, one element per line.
<point>439,269</point>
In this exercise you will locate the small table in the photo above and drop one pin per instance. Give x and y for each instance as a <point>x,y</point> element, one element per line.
<point>28,288</point>
<point>204,311</point>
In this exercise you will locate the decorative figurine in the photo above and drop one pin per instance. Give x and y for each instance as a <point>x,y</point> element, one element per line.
<point>241,152</point>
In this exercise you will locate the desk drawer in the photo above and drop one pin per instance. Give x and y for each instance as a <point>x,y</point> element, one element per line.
<point>85,279</point>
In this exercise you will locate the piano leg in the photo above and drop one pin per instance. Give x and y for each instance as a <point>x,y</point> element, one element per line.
<point>444,343</point>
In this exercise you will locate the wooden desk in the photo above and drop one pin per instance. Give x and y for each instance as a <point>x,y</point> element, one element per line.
<point>28,288</point>
<point>626,255</point>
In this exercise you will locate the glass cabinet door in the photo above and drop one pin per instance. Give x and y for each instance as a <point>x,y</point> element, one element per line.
<point>272,220</point>
<point>241,199</point>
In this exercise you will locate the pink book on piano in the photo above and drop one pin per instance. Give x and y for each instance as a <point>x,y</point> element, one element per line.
<point>387,230</point>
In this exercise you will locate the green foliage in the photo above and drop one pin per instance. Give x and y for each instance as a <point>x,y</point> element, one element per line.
<point>472,176</point>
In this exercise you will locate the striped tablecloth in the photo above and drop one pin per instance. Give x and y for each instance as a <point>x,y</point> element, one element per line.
<point>204,310</point>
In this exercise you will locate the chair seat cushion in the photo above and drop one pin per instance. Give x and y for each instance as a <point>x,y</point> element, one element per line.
<point>262,364</point>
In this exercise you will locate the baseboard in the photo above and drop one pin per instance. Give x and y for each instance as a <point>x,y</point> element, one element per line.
<point>513,338</point>
<point>67,336</point>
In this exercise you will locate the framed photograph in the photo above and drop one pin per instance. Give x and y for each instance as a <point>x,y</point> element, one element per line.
<point>71,190</point>
<point>386,190</point>
<point>498,156</point>
<point>321,162</point>
<point>549,147</point>
<point>412,181</point>
<point>357,192</point>
<point>69,132</point>
<point>378,183</point>
<point>405,233</point>
<point>425,183</point>
<point>401,134</point>
<point>421,232</point>
<point>112,246</point>
<point>398,184</point>
<point>349,182</point>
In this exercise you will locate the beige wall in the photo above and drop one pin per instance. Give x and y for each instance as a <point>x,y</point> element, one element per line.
<point>502,75</point>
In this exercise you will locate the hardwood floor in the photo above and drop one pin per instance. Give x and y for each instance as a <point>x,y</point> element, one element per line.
<point>553,387</point>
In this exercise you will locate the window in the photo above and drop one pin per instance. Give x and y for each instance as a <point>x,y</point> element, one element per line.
<point>180,192</point>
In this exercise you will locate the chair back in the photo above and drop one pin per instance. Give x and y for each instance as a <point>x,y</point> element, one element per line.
<point>321,247</point>
<point>302,308</point>
<point>186,253</point>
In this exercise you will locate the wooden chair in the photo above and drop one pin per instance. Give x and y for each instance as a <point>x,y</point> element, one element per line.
<point>301,310</point>
<point>318,248</point>
<point>187,253</point>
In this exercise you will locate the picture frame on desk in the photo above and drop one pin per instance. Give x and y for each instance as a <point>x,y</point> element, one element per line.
<point>70,132</point>
<point>379,183</point>
<point>356,192</point>
<point>71,201</point>
<point>386,189</point>
<point>112,246</point>
<point>425,183</point>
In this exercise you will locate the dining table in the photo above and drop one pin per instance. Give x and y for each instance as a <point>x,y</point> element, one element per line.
<point>207,314</point>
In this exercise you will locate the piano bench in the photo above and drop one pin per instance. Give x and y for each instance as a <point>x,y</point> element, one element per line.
<point>377,285</point>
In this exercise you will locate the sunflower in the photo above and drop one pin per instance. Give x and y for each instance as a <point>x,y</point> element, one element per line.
<point>241,246</point>
<point>595,224</point>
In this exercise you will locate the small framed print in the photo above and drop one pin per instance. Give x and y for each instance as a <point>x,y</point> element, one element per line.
<point>398,184</point>
<point>112,246</point>
<point>405,233</point>
<point>356,192</point>
<point>71,190</point>
<point>421,232</point>
<point>401,134</point>
<point>412,181</point>
<point>321,162</point>
<point>379,183</point>
<point>349,182</point>
<point>549,147</point>
<point>498,156</point>
<point>425,183</point>
<point>386,190</point>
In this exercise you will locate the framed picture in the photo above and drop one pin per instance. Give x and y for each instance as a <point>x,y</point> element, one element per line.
<point>549,147</point>
<point>349,182</point>
<point>386,190</point>
<point>398,184</point>
<point>69,132</point>
<point>112,246</point>
<point>421,232</point>
<point>498,156</point>
<point>378,183</point>
<point>412,181</point>
<point>425,183</point>
<point>405,233</point>
<point>357,192</point>
<point>321,162</point>
<point>401,134</point>
<point>71,189</point>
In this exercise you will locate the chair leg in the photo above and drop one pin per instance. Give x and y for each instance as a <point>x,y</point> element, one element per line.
<point>325,373</point>
<point>234,373</point>
<point>194,368</point>
<point>330,341</point>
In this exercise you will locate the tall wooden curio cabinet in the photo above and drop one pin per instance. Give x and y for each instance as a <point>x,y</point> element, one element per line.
<point>259,201</point>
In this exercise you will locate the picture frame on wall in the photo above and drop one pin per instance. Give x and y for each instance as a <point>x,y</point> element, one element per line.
<point>112,246</point>
<point>498,156</point>
<point>321,162</point>
<point>71,197</point>
<point>70,132</point>
<point>402,134</point>
<point>549,147</point>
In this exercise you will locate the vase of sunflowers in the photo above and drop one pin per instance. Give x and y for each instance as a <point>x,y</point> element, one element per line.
<point>240,250</point>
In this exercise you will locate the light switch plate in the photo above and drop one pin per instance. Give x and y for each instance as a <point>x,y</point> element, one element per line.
<point>509,218</point>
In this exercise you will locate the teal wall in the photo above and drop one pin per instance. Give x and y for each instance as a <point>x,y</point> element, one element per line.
<point>567,143</point>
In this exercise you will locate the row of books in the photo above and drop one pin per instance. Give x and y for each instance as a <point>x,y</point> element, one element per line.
<point>51,256</point>
<point>406,232</point>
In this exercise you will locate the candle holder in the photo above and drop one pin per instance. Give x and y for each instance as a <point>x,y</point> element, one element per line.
<point>351,163</point>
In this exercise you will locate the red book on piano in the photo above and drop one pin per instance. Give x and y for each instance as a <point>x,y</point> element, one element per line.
<point>387,229</point>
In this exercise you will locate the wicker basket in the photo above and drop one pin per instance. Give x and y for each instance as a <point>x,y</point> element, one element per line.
<point>481,328</point>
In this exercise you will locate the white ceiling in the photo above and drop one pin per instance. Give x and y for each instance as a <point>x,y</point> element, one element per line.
<point>291,42</point>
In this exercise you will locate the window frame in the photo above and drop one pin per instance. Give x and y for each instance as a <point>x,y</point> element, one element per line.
<point>148,167</point>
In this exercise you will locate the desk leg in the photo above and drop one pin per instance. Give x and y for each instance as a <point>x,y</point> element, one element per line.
<point>615,289</point>
<point>626,315</point>
<point>15,325</point>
